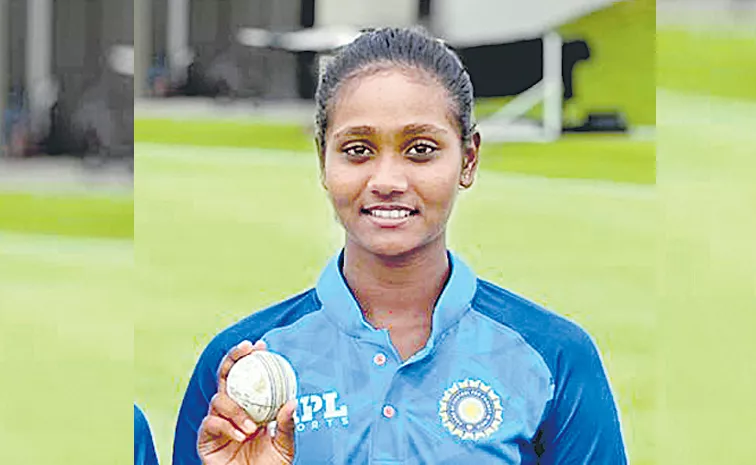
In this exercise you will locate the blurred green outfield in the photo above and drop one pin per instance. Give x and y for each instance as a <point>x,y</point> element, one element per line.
<point>66,287</point>
<point>706,115</point>
<point>706,279</point>
<point>66,349</point>
<point>71,214</point>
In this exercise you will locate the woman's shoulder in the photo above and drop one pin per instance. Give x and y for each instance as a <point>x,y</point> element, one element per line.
<point>257,324</point>
<point>551,334</point>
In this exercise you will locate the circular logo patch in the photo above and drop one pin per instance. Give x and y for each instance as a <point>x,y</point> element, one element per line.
<point>470,410</point>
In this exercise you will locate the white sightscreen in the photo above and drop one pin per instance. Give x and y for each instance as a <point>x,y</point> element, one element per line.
<point>365,13</point>
<point>478,22</point>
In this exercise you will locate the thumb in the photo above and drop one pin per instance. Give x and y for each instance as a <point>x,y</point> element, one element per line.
<point>284,438</point>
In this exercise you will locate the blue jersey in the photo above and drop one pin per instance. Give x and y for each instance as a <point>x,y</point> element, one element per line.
<point>500,380</point>
<point>144,448</point>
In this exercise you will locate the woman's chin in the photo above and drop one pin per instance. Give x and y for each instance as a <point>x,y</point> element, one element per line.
<point>392,249</point>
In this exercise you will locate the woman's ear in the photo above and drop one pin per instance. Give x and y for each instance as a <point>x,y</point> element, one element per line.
<point>470,161</point>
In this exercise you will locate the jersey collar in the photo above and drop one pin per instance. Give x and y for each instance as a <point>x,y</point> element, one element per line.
<point>341,307</point>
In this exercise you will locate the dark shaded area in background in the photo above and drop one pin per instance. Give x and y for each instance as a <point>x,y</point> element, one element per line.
<point>87,108</point>
<point>307,15</point>
<point>489,66</point>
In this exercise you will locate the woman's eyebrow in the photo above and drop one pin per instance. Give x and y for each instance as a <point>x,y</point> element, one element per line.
<point>415,129</point>
<point>355,131</point>
<point>408,130</point>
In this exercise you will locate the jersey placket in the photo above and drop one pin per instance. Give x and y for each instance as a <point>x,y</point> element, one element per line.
<point>388,438</point>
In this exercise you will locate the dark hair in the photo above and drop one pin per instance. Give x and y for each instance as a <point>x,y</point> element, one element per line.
<point>378,49</point>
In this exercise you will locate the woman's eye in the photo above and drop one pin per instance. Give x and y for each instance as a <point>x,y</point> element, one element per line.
<point>422,150</point>
<point>357,151</point>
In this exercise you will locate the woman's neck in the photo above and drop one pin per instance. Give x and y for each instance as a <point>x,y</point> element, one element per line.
<point>397,292</point>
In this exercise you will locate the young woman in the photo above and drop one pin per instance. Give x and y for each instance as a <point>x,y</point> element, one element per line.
<point>403,355</point>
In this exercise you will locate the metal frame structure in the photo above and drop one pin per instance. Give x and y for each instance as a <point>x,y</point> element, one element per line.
<point>39,43</point>
<point>509,125</point>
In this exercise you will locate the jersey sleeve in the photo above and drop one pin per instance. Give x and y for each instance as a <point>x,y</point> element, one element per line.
<point>202,387</point>
<point>581,425</point>
<point>144,447</point>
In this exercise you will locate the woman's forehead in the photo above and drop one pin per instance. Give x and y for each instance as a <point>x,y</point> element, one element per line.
<point>387,78</point>
<point>391,100</point>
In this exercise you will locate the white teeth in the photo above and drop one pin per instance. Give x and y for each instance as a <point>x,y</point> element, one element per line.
<point>390,214</point>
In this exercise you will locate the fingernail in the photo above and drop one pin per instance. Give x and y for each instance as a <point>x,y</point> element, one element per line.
<point>244,344</point>
<point>249,426</point>
<point>239,436</point>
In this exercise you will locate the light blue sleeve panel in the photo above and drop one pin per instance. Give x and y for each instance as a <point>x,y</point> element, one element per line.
<point>580,425</point>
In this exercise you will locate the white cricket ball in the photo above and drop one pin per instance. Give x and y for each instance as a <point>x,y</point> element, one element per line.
<point>261,383</point>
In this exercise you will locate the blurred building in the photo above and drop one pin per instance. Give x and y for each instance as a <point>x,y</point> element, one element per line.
<point>69,81</point>
<point>193,47</point>
<point>190,46</point>
<point>245,48</point>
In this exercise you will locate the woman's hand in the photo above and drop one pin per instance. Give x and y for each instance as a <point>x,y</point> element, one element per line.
<point>228,436</point>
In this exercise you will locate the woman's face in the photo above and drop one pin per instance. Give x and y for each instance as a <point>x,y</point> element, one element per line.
<point>393,161</point>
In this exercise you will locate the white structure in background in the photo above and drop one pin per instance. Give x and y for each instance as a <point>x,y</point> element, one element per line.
<point>508,124</point>
<point>179,52</point>
<point>322,40</point>
<point>121,59</point>
<point>337,22</point>
<point>41,89</point>
<point>366,13</point>
<point>67,45</point>
<point>480,22</point>
<point>317,39</point>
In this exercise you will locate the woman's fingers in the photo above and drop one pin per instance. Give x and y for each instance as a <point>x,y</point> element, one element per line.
<point>218,429</point>
<point>284,438</point>
<point>223,406</point>
<point>242,349</point>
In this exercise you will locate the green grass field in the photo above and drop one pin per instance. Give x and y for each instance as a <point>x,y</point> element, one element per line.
<point>716,63</point>
<point>707,279</point>
<point>72,214</point>
<point>66,348</point>
<point>66,333</point>
<point>707,266</point>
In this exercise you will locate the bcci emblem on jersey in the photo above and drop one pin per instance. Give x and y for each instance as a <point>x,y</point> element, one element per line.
<point>470,410</point>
